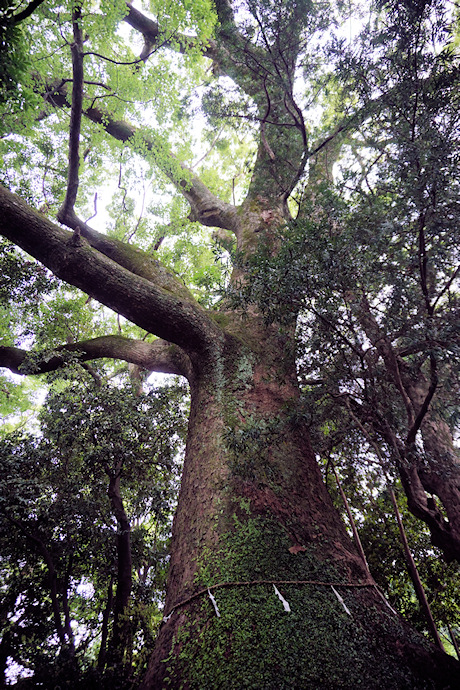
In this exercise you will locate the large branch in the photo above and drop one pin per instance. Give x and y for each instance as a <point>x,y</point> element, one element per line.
<point>154,308</point>
<point>265,71</point>
<point>75,114</point>
<point>154,37</point>
<point>235,55</point>
<point>207,208</point>
<point>130,257</point>
<point>159,356</point>
<point>267,77</point>
<point>26,12</point>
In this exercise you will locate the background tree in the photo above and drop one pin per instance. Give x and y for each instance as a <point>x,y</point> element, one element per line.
<point>85,511</point>
<point>253,512</point>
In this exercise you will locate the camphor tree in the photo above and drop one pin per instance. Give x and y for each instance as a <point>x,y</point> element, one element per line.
<point>254,518</point>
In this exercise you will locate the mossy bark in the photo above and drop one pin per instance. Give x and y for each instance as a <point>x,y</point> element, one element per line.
<point>253,514</point>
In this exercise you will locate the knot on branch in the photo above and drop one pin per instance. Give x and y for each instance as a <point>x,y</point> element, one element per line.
<point>77,240</point>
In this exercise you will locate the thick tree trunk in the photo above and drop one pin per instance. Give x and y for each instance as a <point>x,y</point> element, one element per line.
<point>254,514</point>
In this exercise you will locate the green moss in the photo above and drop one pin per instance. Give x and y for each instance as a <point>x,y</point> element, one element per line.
<point>220,318</point>
<point>256,644</point>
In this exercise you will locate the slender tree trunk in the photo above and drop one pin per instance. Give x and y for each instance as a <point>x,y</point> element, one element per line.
<point>105,626</point>
<point>454,641</point>
<point>414,576</point>
<point>351,520</point>
<point>121,624</point>
<point>65,605</point>
<point>255,515</point>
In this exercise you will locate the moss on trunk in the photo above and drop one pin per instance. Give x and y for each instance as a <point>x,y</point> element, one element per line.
<point>254,513</point>
<point>255,643</point>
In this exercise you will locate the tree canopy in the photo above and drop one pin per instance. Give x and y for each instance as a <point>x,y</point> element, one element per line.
<point>262,198</point>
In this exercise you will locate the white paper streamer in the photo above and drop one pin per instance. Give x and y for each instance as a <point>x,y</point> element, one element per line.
<point>341,600</point>
<point>287,608</point>
<point>214,603</point>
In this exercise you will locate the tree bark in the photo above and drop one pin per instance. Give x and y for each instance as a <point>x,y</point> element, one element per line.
<point>254,513</point>
<point>121,623</point>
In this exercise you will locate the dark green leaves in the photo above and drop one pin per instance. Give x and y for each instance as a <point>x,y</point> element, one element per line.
<point>57,523</point>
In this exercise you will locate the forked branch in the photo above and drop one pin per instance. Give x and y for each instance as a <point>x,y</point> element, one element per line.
<point>151,305</point>
<point>206,207</point>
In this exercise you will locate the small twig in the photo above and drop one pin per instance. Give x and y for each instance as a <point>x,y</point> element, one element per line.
<point>205,155</point>
<point>122,63</point>
<point>136,227</point>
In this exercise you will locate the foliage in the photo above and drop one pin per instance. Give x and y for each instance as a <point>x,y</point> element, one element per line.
<point>58,524</point>
<point>366,489</point>
<point>189,133</point>
<point>372,263</point>
<point>14,59</point>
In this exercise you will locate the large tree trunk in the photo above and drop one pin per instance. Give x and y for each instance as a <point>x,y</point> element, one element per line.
<point>254,513</point>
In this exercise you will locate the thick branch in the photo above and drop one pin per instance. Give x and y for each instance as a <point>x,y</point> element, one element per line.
<point>206,207</point>
<point>26,12</point>
<point>426,402</point>
<point>235,55</point>
<point>154,308</point>
<point>75,114</point>
<point>444,534</point>
<point>159,356</point>
<point>128,256</point>
<point>153,36</point>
